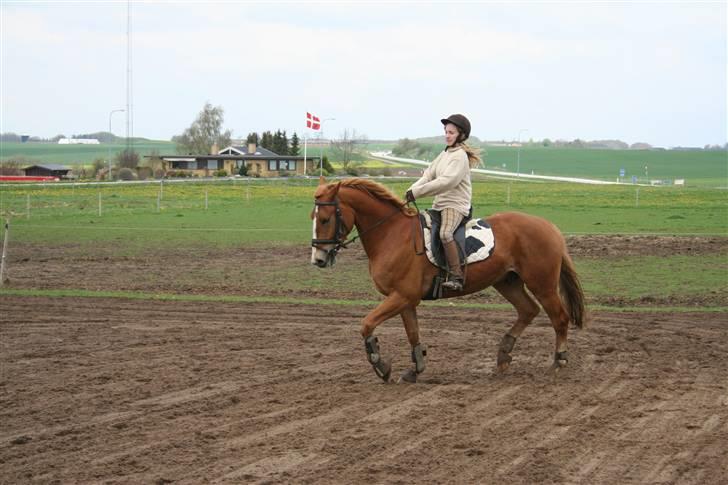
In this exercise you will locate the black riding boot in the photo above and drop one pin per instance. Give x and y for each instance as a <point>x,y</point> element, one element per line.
<point>453,262</point>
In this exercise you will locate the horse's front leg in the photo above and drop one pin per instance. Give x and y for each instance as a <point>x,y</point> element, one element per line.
<point>392,305</point>
<point>409,318</point>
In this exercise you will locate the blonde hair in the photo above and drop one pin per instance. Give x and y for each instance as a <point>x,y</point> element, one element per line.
<point>473,154</point>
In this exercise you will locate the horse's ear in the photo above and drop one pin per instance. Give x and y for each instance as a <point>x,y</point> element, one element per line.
<point>322,180</point>
<point>336,188</point>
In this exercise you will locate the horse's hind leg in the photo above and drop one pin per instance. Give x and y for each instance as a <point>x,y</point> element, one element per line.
<point>409,318</point>
<point>513,290</point>
<point>551,302</point>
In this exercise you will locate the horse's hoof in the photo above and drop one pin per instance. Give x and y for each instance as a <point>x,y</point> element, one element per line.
<point>383,369</point>
<point>408,376</point>
<point>504,361</point>
<point>557,366</point>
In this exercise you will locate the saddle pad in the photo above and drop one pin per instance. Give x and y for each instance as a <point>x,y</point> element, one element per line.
<point>479,240</point>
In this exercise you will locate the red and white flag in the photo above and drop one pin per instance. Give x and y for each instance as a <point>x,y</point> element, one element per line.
<point>313,122</point>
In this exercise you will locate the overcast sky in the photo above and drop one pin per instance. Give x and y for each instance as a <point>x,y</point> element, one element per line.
<point>650,72</point>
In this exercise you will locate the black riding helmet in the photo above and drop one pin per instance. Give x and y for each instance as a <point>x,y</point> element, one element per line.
<point>461,122</point>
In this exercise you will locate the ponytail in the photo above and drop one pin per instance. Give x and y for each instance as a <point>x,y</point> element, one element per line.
<point>473,154</point>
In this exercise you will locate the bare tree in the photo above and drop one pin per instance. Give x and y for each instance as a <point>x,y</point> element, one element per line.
<point>345,150</point>
<point>204,132</point>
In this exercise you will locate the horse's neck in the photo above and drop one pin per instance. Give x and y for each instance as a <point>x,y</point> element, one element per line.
<point>369,216</point>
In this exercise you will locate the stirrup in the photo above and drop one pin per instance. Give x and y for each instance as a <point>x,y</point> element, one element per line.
<point>454,284</point>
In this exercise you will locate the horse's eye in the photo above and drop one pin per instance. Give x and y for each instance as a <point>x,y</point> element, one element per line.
<point>325,221</point>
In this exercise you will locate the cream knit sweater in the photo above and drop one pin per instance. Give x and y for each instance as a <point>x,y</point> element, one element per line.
<point>448,179</point>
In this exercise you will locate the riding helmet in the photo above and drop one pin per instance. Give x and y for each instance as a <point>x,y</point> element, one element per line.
<point>461,122</point>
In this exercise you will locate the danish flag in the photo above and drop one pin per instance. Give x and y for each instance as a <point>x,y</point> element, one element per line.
<point>313,122</point>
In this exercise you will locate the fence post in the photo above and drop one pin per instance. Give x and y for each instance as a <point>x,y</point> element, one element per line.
<point>99,203</point>
<point>5,250</point>
<point>27,207</point>
<point>159,200</point>
<point>247,191</point>
<point>508,196</point>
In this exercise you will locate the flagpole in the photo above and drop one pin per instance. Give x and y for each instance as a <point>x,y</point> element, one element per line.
<point>305,137</point>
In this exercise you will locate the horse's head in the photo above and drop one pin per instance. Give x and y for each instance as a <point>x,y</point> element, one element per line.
<point>332,222</point>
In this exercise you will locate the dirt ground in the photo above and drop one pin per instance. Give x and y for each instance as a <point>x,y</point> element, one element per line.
<point>119,391</point>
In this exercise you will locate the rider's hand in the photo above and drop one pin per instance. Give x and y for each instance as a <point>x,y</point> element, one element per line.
<point>409,196</point>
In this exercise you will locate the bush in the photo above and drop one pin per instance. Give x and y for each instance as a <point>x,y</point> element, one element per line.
<point>11,167</point>
<point>221,173</point>
<point>144,173</point>
<point>126,174</point>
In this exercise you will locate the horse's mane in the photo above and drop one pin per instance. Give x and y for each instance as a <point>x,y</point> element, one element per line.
<point>379,192</point>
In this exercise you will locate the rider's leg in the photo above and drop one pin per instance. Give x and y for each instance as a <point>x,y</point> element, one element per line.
<point>450,222</point>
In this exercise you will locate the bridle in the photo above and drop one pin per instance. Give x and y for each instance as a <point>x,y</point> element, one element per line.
<point>340,229</point>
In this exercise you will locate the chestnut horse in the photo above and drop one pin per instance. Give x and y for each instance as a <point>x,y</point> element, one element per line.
<point>530,252</point>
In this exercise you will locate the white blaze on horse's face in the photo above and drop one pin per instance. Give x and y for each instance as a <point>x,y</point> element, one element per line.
<point>319,257</point>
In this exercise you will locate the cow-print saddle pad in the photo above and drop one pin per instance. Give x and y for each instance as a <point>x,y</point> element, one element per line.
<point>474,238</point>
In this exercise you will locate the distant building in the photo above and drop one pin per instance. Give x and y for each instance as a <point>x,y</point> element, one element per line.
<point>260,162</point>
<point>78,141</point>
<point>47,170</point>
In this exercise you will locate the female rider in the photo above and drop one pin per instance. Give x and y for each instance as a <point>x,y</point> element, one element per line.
<point>448,179</point>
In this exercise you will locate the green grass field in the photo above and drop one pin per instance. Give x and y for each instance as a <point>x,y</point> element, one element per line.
<point>698,168</point>
<point>260,205</point>
<point>76,155</point>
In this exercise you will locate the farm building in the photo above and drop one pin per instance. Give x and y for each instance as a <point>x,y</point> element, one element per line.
<point>260,162</point>
<point>47,170</point>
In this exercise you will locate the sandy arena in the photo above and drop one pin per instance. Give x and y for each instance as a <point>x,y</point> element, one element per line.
<point>121,391</point>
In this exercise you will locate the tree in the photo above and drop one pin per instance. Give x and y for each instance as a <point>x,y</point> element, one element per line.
<point>344,150</point>
<point>127,159</point>
<point>10,136</point>
<point>266,140</point>
<point>252,138</point>
<point>98,165</point>
<point>328,169</point>
<point>294,149</point>
<point>204,132</point>
<point>280,143</point>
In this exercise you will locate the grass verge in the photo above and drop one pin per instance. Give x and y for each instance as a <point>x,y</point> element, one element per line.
<point>131,295</point>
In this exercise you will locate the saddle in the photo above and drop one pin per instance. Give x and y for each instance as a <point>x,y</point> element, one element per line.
<point>431,220</point>
<point>474,239</point>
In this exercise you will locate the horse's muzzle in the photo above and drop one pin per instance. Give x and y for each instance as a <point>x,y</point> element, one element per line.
<point>322,258</point>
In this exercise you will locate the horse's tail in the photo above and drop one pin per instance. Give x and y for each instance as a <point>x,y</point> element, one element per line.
<point>571,292</point>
